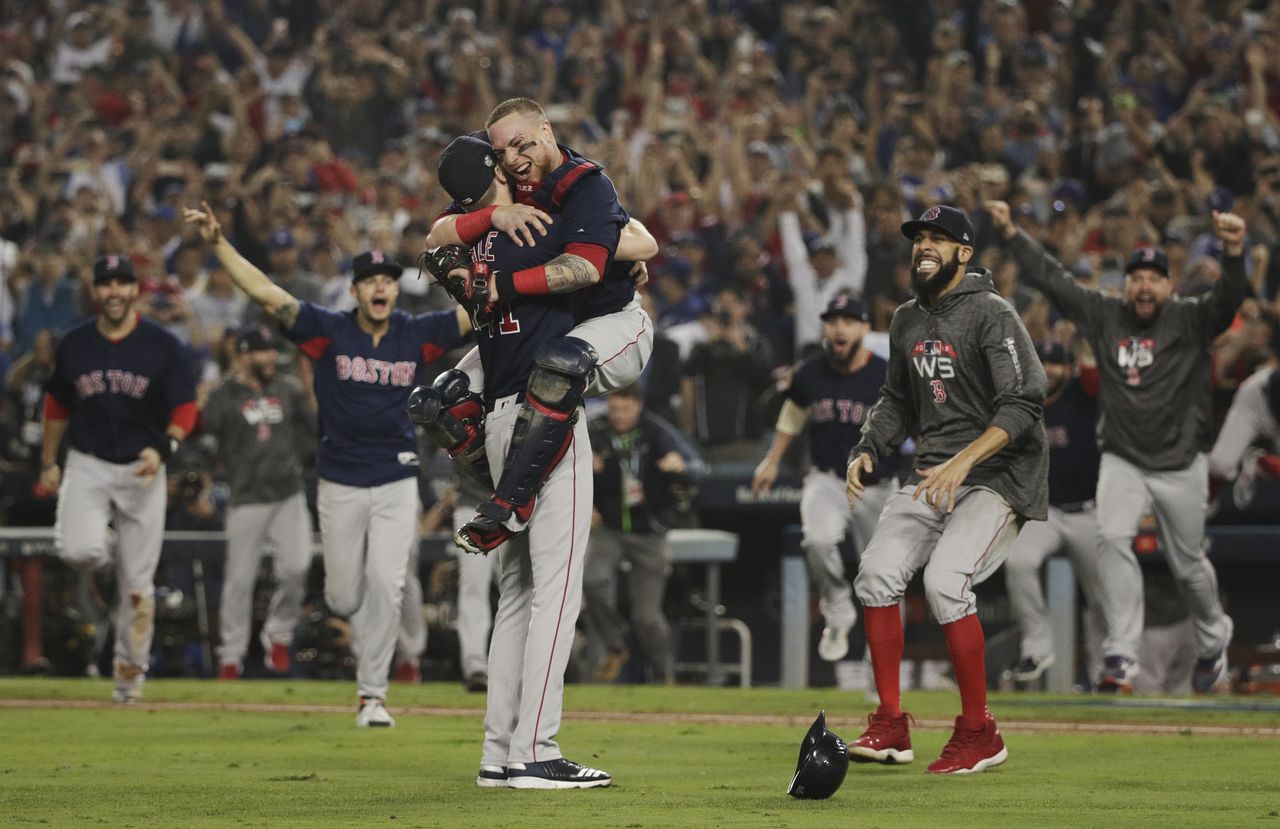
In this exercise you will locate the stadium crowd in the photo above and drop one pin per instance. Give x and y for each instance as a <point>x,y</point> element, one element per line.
<point>773,150</point>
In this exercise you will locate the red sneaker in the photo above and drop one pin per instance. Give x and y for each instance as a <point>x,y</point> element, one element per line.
<point>277,658</point>
<point>887,740</point>
<point>228,670</point>
<point>408,672</point>
<point>969,751</point>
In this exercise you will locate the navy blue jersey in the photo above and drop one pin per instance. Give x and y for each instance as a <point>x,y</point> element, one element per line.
<point>120,393</point>
<point>366,438</point>
<point>1071,424</point>
<point>508,345</point>
<point>838,404</point>
<point>587,205</point>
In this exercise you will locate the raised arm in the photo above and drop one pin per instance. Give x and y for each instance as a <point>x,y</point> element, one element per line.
<point>1218,309</point>
<point>275,300</point>
<point>1044,273</point>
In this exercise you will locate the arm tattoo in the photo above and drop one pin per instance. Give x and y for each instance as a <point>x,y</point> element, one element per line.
<point>568,272</point>
<point>287,314</point>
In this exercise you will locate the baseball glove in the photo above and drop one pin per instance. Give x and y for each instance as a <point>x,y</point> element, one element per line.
<point>470,291</point>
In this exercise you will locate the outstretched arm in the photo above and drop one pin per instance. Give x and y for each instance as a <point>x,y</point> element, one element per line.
<point>275,300</point>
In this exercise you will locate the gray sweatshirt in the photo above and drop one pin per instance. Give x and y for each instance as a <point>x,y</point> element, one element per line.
<point>954,370</point>
<point>1155,400</point>
<point>262,437</point>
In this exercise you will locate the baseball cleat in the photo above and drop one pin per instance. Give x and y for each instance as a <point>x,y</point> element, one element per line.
<point>1210,671</point>
<point>834,644</point>
<point>492,777</point>
<point>407,672</point>
<point>555,774</point>
<point>373,714</point>
<point>887,740</point>
<point>276,658</point>
<point>971,750</point>
<point>481,535</point>
<point>1117,675</point>
<point>1031,669</point>
<point>228,670</point>
<point>477,683</point>
<point>128,691</point>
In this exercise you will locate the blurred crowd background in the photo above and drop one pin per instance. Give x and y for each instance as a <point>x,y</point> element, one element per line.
<point>773,148</point>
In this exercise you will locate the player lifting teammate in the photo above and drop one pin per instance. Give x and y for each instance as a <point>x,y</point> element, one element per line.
<point>614,337</point>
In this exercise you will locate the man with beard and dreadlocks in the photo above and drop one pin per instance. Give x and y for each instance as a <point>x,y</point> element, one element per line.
<point>832,391</point>
<point>964,374</point>
<point>1154,366</point>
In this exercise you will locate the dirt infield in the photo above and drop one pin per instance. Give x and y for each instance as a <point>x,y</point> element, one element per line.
<point>1006,724</point>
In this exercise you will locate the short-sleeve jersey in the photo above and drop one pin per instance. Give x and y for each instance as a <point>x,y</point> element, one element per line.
<point>120,393</point>
<point>584,201</point>
<point>837,404</point>
<point>366,438</point>
<point>509,344</point>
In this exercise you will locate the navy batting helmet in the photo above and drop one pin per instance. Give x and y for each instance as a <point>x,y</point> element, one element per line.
<point>823,763</point>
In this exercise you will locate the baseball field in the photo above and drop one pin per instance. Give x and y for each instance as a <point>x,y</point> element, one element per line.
<point>274,754</point>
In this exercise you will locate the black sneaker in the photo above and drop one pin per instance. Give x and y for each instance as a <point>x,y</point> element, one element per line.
<point>476,683</point>
<point>492,777</point>
<point>1209,672</point>
<point>555,774</point>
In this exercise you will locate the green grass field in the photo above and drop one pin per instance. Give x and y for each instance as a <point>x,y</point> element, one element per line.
<point>188,757</point>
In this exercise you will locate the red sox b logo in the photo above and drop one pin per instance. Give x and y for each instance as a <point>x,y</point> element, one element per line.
<point>934,360</point>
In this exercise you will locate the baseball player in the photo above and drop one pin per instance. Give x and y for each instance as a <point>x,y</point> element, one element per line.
<point>262,421</point>
<point>834,391</point>
<point>612,325</point>
<point>123,394</point>
<point>1249,442</point>
<point>526,354</point>
<point>1154,364</point>
<point>476,576</point>
<point>366,362</point>
<point>1070,418</point>
<point>963,370</point>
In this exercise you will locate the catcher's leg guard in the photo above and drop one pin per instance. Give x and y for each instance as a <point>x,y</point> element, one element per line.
<point>453,417</point>
<point>540,437</point>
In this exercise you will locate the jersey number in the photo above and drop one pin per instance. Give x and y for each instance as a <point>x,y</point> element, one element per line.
<point>939,391</point>
<point>508,324</point>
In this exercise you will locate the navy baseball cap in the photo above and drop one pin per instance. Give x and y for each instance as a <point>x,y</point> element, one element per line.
<point>373,262</point>
<point>466,168</point>
<point>950,220</point>
<point>1148,257</point>
<point>280,239</point>
<point>113,266</point>
<point>846,305</point>
<point>255,338</point>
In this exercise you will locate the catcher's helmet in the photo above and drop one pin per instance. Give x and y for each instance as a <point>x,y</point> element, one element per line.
<point>823,763</point>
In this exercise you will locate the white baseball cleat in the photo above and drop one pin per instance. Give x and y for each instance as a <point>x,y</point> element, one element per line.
<point>492,777</point>
<point>834,644</point>
<point>373,714</point>
<point>128,691</point>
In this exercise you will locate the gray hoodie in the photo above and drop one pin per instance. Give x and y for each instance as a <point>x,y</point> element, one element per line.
<point>1156,405</point>
<point>263,436</point>
<point>954,370</point>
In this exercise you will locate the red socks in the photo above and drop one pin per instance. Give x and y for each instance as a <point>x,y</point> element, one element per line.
<point>885,638</point>
<point>967,646</point>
